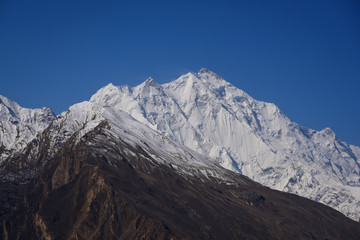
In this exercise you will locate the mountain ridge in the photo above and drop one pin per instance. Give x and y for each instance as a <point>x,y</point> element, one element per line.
<point>210,116</point>
<point>20,125</point>
<point>98,173</point>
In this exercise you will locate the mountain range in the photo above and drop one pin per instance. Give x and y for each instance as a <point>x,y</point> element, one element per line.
<point>212,117</point>
<point>173,161</point>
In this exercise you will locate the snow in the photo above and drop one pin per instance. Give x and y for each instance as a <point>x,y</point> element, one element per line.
<point>200,119</point>
<point>84,117</point>
<point>212,117</point>
<point>20,125</point>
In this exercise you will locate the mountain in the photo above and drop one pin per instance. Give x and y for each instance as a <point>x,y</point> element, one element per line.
<point>20,125</point>
<point>97,173</point>
<point>212,117</point>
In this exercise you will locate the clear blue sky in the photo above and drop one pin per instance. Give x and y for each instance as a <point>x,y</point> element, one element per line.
<point>302,55</point>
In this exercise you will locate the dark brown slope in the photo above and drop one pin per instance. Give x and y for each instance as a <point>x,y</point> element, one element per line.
<point>90,193</point>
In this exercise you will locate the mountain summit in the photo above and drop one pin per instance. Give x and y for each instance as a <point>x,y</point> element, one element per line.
<point>212,117</point>
<point>149,162</point>
<point>97,173</point>
<point>19,125</point>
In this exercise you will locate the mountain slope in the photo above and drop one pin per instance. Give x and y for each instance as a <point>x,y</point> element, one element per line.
<point>103,175</point>
<point>20,125</point>
<point>211,116</point>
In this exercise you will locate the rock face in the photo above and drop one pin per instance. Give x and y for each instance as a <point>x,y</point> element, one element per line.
<point>212,117</point>
<point>100,174</point>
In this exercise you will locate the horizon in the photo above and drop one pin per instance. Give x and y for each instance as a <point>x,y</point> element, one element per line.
<point>303,57</point>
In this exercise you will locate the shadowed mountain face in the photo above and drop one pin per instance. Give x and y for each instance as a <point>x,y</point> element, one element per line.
<point>103,186</point>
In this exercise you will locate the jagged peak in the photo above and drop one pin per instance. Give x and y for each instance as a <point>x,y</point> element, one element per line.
<point>110,86</point>
<point>15,109</point>
<point>328,131</point>
<point>189,75</point>
<point>105,93</point>
<point>188,79</point>
<point>147,85</point>
<point>7,102</point>
<point>151,82</point>
<point>205,71</point>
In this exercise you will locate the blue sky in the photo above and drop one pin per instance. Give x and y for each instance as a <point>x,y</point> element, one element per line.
<point>304,56</point>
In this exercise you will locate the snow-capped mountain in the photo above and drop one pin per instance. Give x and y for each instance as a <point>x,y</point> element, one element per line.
<point>208,115</point>
<point>85,117</point>
<point>212,117</point>
<point>97,173</point>
<point>82,118</point>
<point>20,125</point>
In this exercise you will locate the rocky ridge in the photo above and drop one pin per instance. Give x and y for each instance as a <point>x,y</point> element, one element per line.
<point>101,174</point>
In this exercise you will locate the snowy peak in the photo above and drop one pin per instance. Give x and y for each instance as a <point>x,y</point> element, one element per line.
<point>150,82</point>
<point>147,88</point>
<point>85,117</point>
<point>204,81</point>
<point>10,105</point>
<point>328,132</point>
<point>96,164</point>
<point>206,73</point>
<point>36,118</point>
<point>204,78</point>
<point>212,117</point>
<point>110,87</point>
<point>106,93</point>
<point>20,125</point>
